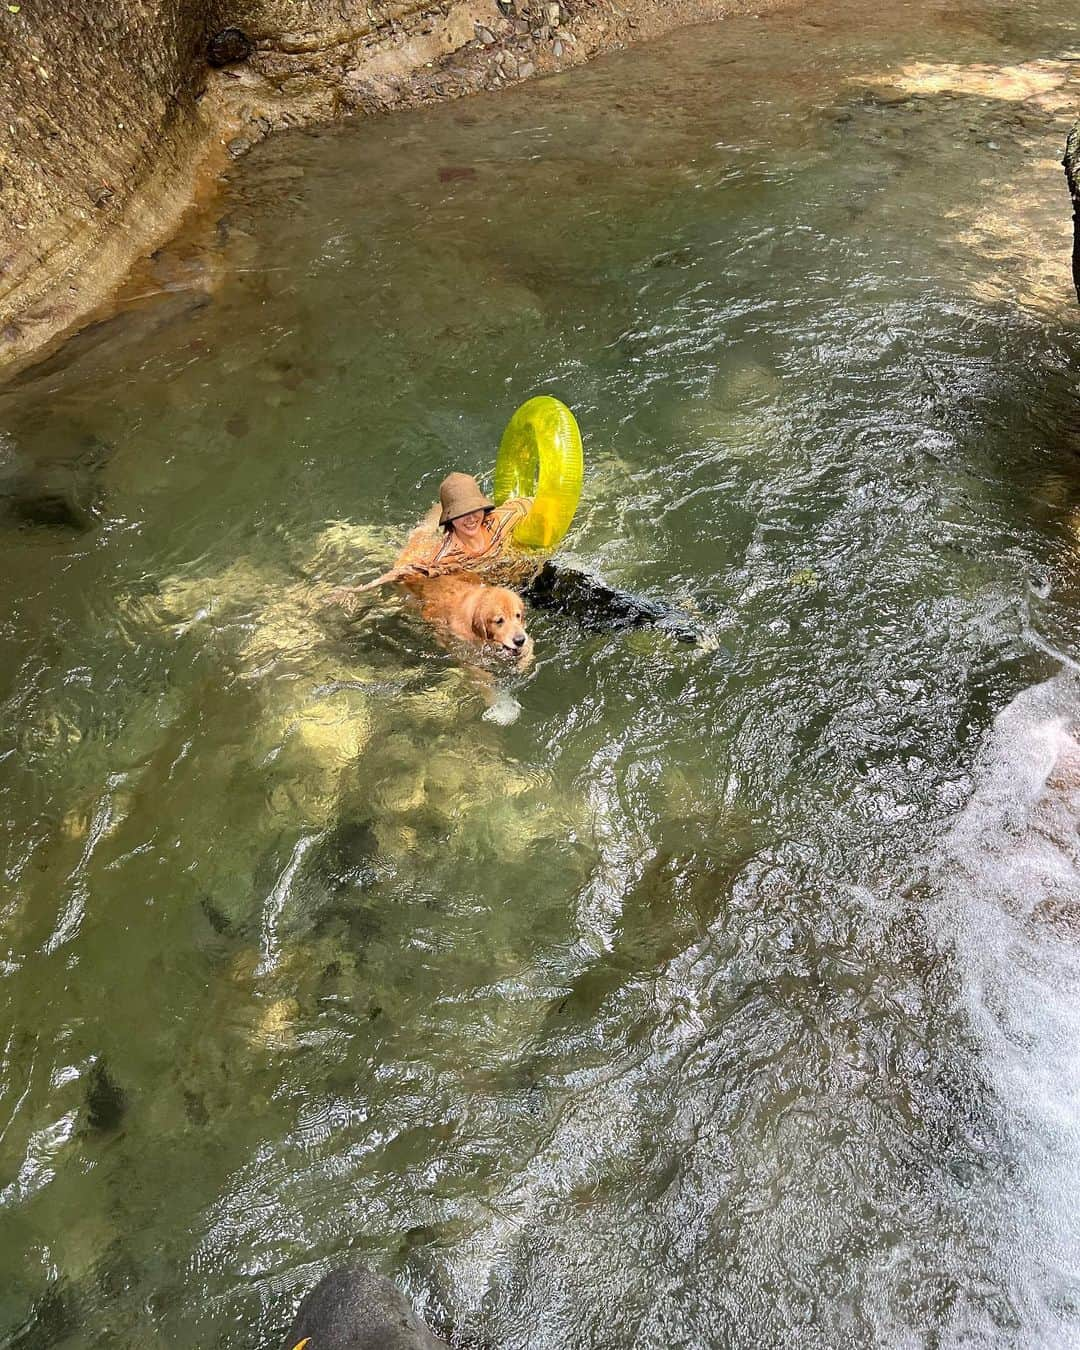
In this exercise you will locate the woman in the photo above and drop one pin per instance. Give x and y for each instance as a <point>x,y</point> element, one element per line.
<point>476,534</point>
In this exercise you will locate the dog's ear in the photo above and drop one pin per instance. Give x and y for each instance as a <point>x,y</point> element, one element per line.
<point>479,625</point>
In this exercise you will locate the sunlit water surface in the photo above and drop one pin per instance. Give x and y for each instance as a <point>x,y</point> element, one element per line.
<point>731,996</point>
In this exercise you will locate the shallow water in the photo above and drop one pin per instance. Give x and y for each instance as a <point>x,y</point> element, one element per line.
<point>730,995</point>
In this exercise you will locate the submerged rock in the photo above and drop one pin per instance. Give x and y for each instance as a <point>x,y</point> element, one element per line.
<point>275,1025</point>
<point>54,1317</point>
<point>218,920</point>
<point>106,1101</point>
<point>49,510</point>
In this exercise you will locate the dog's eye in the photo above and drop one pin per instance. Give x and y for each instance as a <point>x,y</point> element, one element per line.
<point>499,621</point>
<point>518,616</point>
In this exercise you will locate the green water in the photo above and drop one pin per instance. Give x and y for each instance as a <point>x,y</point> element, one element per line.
<point>659,1018</point>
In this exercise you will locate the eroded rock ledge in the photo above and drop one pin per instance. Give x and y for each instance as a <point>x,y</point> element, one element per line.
<point>115,114</point>
<point>1072,173</point>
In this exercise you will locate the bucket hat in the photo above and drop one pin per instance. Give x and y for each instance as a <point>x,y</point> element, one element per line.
<point>459,494</point>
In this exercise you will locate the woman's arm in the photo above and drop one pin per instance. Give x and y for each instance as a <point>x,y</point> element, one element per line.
<point>414,560</point>
<point>395,574</point>
<point>346,595</point>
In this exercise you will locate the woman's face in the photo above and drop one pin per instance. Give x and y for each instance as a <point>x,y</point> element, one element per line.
<point>468,526</point>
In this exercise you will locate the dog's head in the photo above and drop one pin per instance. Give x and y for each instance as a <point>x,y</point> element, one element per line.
<point>499,616</point>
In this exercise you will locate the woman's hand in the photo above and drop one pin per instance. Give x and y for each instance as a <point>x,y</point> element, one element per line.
<point>395,574</point>
<point>345,596</point>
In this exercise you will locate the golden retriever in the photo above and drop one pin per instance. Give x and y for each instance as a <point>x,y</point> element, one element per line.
<point>465,608</point>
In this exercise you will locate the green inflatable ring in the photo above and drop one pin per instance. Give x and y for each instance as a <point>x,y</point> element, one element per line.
<point>540,456</point>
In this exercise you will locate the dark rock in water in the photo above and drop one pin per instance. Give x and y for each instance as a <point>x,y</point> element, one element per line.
<point>221,923</point>
<point>92,452</point>
<point>346,858</point>
<point>351,923</point>
<point>1072,176</point>
<point>598,608</point>
<point>106,1101</point>
<point>355,1309</point>
<point>237,424</point>
<point>53,1319</point>
<point>678,257</point>
<point>116,1274</point>
<point>455,173</point>
<point>1062,914</point>
<point>41,500</point>
<point>228,47</point>
<point>48,510</point>
<point>195,1108</point>
<point>884,98</point>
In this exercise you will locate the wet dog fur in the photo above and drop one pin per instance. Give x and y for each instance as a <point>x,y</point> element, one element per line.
<point>467,610</point>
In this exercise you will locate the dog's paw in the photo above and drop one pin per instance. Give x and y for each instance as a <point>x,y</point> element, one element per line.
<point>504,711</point>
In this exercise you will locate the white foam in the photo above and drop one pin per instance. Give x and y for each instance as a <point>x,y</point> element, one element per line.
<point>1012,907</point>
<point>504,711</point>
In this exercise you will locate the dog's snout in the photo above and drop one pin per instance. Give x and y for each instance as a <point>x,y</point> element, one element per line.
<point>519,641</point>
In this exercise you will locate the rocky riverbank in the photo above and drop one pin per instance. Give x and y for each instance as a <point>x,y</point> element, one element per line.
<point>118,118</point>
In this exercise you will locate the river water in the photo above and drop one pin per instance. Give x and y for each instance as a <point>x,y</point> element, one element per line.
<point>729,996</point>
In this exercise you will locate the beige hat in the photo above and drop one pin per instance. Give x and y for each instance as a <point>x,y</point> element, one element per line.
<point>459,494</point>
